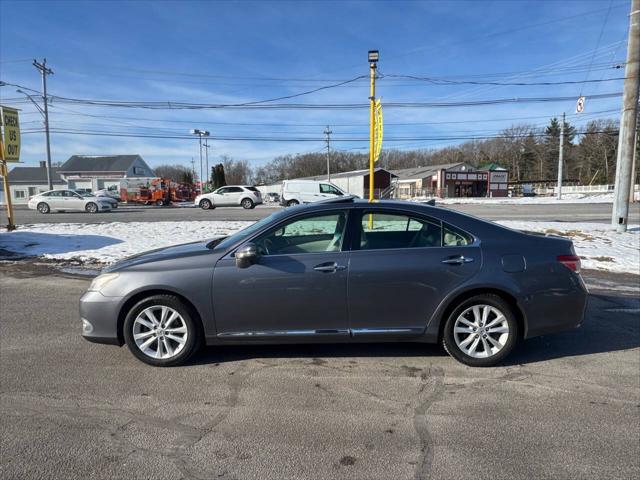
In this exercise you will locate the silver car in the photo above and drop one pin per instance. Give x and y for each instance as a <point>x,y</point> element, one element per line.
<point>68,200</point>
<point>230,196</point>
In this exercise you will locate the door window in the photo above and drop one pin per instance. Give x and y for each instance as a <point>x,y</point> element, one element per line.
<point>222,190</point>
<point>383,230</point>
<point>318,233</point>
<point>69,194</point>
<point>55,193</point>
<point>234,190</point>
<point>326,188</point>
<point>452,237</point>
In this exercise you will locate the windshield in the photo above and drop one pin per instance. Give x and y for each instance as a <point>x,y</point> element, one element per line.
<point>246,232</point>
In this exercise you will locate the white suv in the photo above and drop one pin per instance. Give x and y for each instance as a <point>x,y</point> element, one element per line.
<point>230,196</point>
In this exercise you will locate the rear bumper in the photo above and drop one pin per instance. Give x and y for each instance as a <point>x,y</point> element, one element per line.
<point>557,310</point>
<point>99,316</point>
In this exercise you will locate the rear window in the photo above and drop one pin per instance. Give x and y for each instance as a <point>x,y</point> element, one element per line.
<point>253,189</point>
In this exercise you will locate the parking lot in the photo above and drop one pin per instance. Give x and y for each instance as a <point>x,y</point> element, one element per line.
<point>565,406</point>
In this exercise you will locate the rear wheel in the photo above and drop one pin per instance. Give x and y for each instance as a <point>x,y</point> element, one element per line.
<point>43,207</point>
<point>91,207</point>
<point>247,203</point>
<point>206,204</point>
<point>160,331</point>
<point>292,203</point>
<point>481,331</point>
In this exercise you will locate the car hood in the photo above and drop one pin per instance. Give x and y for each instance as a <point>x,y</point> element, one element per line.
<point>161,254</point>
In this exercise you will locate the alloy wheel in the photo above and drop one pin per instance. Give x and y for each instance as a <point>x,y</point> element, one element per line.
<point>160,332</point>
<point>481,331</point>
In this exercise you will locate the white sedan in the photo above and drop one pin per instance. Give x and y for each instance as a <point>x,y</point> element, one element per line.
<point>62,200</point>
<point>231,195</point>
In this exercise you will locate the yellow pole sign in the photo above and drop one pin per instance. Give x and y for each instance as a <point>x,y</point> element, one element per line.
<point>11,137</point>
<point>9,152</point>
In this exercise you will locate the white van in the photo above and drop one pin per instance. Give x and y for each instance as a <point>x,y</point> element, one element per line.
<point>295,192</point>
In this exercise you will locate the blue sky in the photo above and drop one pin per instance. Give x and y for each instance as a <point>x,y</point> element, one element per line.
<point>234,52</point>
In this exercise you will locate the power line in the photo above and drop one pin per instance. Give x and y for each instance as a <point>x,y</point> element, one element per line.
<point>606,18</point>
<point>436,81</point>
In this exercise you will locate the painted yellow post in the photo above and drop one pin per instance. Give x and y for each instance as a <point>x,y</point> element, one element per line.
<point>4,171</point>
<point>372,127</point>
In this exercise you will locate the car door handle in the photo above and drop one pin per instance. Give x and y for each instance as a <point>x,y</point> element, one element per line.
<point>328,267</point>
<point>459,260</point>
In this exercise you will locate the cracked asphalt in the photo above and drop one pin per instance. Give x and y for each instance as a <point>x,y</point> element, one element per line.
<point>565,406</point>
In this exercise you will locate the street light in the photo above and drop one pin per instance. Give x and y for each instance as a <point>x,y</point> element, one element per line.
<point>200,133</point>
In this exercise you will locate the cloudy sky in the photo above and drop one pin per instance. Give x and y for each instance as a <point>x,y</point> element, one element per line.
<point>212,53</point>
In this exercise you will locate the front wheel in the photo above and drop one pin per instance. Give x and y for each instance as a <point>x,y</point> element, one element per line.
<point>91,207</point>
<point>247,204</point>
<point>481,331</point>
<point>292,203</point>
<point>206,204</point>
<point>43,208</point>
<point>159,203</point>
<point>160,331</point>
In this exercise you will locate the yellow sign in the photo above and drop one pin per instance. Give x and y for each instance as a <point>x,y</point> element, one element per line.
<point>10,141</point>
<point>378,130</point>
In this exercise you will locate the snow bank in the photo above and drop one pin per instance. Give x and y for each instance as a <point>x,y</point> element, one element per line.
<point>566,199</point>
<point>599,247</point>
<point>109,242</point>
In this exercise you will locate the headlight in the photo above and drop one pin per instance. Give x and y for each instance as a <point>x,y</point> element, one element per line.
<point>101,281</point>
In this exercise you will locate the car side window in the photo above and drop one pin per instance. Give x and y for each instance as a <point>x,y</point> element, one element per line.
<point>326,188</point>
<point>380,230</point>
<point>313,234</point>
<point>234,190</point>
<point>221,190</point>
<point>55,193</point>
<point>453,237</point>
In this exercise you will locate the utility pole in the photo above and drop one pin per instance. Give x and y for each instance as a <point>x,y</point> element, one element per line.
<point>627,135</point>
<point>561,158</point>
<point>328,132</point>
<point>200,133</point>
<point>373,60</point>
<point>206,153</point>
<point>44,71</point>
<point>193,169</point>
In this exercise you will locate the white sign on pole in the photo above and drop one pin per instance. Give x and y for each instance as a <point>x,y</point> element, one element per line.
<point>580,105</point>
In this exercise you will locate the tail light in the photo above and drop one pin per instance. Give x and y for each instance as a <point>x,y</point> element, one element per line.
<point>572,262</point>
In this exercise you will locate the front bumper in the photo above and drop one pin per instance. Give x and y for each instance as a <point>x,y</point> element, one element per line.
<point>99,315</point>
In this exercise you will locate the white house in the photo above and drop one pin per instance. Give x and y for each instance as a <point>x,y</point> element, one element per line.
<point>99,172</point>
<point>25,182</point>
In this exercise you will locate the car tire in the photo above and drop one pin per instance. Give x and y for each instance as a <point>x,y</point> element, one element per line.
<point>172,352</point>
<point>205,204</point>
<point>247,203</point>
<point>292,203</point>
<point>43,207</point>
<point>159,203</point>
<point>464,335</point>
<point>114,206</point>
<point>91,207</point>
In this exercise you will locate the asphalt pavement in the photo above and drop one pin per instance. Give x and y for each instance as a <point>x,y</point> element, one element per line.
<point>566,406</point>
<point>577,212</point>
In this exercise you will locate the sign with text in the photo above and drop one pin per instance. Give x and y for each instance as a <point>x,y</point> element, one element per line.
<point>11,134</point>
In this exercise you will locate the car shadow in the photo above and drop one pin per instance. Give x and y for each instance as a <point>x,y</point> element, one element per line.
<point>36,244</point>
<point>611,324</point>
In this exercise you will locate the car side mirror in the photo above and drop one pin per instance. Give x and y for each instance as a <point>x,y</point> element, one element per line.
<point>246,255</point>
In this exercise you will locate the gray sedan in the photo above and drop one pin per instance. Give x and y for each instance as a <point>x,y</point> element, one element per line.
<point>342,271</point>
